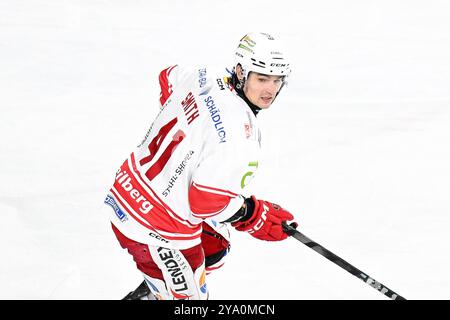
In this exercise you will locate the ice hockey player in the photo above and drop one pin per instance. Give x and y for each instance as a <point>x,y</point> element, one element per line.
<point>177,193</point>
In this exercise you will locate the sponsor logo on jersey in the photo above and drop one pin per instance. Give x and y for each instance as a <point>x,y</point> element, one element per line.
<point>133,195</point>
<point>178,171</point>
<point>119,213</point>
<point>154,290</point>
<point>215,117</point>
<point>158,237</point>
<point>202,282</point>
<point>248,127</point>
<point>202,77</point>
<point>248,176</point>
<point>190,108</point>
<point>220,83</point>
<point>174,266</point>
<point>248,130</point>
<point>202,82</point>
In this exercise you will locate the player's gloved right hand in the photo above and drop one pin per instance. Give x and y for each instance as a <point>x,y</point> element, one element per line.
<point>265,222</point>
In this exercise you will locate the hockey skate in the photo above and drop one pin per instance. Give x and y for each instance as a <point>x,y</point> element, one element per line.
<point>142,292</point>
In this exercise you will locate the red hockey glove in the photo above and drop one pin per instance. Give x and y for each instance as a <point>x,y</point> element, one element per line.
<point>265,223</point>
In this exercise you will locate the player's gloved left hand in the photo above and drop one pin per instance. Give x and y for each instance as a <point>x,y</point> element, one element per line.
<point>265,223</point>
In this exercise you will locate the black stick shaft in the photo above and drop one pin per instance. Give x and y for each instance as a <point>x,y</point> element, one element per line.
<point>341,262</point>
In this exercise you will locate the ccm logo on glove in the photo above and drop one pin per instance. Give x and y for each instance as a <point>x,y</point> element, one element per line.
<point>266,221</point>
<point>261,221</point>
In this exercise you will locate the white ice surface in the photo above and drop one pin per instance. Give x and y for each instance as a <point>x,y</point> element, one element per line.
<point>357,146</point>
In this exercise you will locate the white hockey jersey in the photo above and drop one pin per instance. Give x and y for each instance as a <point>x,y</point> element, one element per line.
<point>193,164</point>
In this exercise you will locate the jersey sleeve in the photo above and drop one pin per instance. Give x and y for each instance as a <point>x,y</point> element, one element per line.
<point>167,78</point>
<point>174,77</point>
<point>218,183</point>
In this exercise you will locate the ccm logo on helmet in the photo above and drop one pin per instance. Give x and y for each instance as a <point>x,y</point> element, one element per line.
<point>278,65</point>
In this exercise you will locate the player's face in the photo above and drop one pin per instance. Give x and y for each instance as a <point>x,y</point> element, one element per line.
<point>261,89</point>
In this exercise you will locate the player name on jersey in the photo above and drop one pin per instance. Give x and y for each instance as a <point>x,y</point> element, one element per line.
<point>190,108</point>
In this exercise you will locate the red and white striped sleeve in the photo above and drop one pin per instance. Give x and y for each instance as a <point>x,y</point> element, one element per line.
<point>210,202</point>
<point>216,186</point>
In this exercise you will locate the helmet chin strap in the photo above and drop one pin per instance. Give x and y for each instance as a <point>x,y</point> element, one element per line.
<point>239,87</point>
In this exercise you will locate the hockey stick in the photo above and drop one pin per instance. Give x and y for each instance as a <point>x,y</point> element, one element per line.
<point>290,230</point>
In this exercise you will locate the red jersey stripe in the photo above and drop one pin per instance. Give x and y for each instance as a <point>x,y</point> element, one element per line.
<point>147,208</point>
<point>128,209</point>
<point>170,237</point>
<point>135,216</point>
<point>206,204</point>
<point>215,190</point>
<point>170,212</point>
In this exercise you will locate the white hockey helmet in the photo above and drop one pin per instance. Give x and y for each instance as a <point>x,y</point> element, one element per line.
<point>262,53</point>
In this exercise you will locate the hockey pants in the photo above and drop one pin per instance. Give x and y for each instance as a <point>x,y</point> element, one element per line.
<point>173,274</point>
